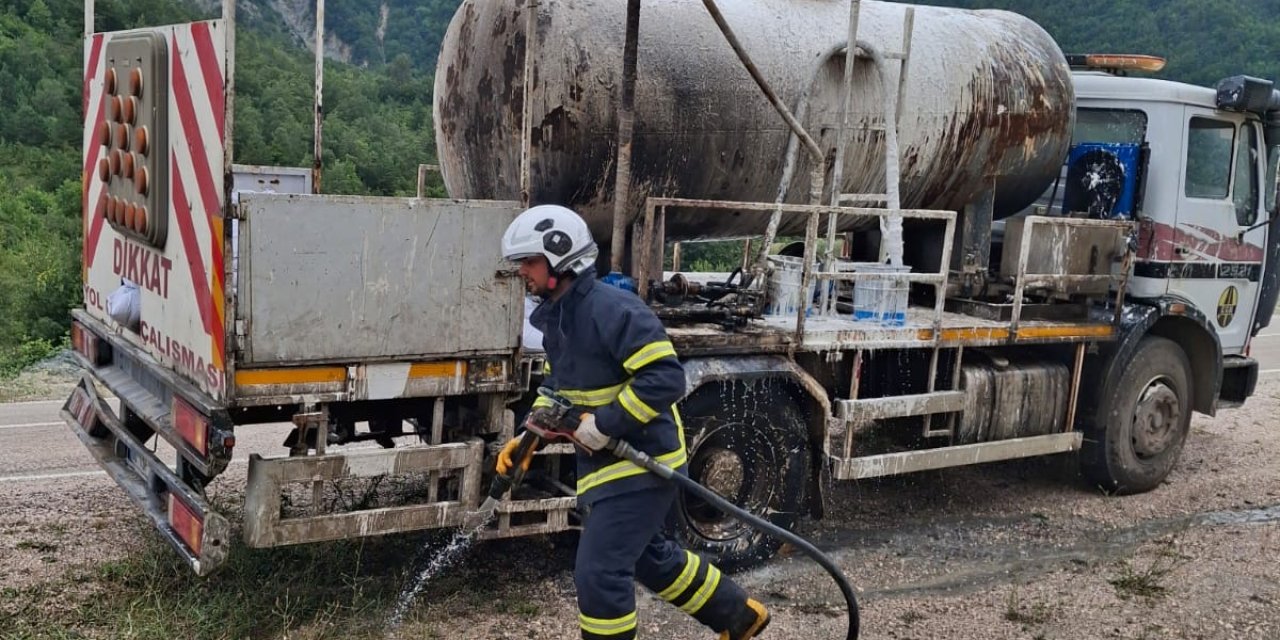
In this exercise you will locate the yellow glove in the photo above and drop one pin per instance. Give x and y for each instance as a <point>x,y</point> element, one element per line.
<point>504,457</point>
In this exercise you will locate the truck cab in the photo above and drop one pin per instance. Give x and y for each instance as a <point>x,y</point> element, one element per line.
<point>1201,189</point>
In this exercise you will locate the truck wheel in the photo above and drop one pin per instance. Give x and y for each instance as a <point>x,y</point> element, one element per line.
<point>1143,422</point>
<point>750,445</point>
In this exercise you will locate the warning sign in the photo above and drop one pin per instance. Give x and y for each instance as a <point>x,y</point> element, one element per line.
<point>1227,303</point>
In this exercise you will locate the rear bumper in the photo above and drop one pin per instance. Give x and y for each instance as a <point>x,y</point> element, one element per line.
<point>201,536</point>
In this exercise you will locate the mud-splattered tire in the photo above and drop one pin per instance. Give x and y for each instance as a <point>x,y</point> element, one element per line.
<point>748,443</point>
<point>1142,424</point>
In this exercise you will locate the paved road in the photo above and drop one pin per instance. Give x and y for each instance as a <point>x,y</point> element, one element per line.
<point>1266,348</point>
<point>35,444</point>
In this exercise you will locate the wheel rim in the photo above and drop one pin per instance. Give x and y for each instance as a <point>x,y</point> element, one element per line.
<point>720,461</point>
<point>1156,419</point>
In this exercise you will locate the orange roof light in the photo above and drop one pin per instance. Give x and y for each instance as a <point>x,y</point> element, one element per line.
<point>1117,62</point>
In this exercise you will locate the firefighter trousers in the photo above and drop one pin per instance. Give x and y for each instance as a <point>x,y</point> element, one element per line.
<point>622,542</point>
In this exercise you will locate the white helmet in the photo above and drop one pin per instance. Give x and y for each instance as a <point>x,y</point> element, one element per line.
<point>552,231</point>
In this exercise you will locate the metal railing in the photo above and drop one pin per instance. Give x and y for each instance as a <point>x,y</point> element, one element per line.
<point>653,237</point>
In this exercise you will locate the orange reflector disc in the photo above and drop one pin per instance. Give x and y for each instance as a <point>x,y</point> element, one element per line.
<point>135,82</point>
<point>123,135</point>
<point>141,138</point>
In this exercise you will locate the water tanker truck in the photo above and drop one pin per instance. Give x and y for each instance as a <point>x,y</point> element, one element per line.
<point>963,246</point>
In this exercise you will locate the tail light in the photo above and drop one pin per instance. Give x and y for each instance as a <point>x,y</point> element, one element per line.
<point>95,350</point>
<point>192,425</point>
<point>187,523</point>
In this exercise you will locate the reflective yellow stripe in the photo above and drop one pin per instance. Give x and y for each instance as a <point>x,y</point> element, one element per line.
<point>642,412</point>
<point>592,397</point>
<point>686,577</point>
<point>546,367</point>
<point>625,469</point>
<point>1095,331</point>
<point>437,369</point>
<point>543,402</point>
<point>700,598</point>
<point>608,627</point>
<point>301,375</point>
<point>648,354</point>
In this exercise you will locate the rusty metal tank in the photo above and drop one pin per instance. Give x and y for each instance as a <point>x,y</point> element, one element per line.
<point>988,100</point>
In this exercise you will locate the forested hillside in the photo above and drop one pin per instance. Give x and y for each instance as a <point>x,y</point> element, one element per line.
<point>1204,40</point>
<point>378,125</point>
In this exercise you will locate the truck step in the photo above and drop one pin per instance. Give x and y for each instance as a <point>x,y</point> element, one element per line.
<point>863,411</point>
<point>890,464</point>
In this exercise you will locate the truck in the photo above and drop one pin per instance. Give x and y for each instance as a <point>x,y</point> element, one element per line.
<point>961,245</point>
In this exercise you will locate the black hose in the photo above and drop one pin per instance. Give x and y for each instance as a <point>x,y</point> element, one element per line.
<point>627,452</point>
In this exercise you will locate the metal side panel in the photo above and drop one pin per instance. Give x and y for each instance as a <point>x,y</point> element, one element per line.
<point>349,278</point>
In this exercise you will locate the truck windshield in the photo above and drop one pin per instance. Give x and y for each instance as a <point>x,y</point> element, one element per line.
<point>1114,126</point>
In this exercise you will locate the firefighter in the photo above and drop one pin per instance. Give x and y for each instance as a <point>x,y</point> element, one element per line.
<point>608,354</point>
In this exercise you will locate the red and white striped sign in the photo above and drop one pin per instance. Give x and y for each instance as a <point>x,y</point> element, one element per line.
<point>183,293</point>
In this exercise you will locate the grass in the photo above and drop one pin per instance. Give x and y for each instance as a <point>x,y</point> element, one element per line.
<point>328,590</point>
<point>1148,581</point>
<point>34,384</point>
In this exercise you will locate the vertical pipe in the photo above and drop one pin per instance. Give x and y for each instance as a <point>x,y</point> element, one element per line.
<point>526,126</point>
<point>88,18</point>
<point>810,239</point>
<point>842,139</point>
<point>842,136</point>
<point>1076,369</point>
<point>317,167</point>
<point>626,125</point>
<point>908,30</point>
<point>891,226</point>
<point>675,257</point>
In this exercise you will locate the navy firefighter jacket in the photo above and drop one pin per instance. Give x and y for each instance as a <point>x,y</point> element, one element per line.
<point>608,354</point>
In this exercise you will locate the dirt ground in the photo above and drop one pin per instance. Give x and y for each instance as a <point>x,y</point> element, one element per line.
<point>1017,550</point>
